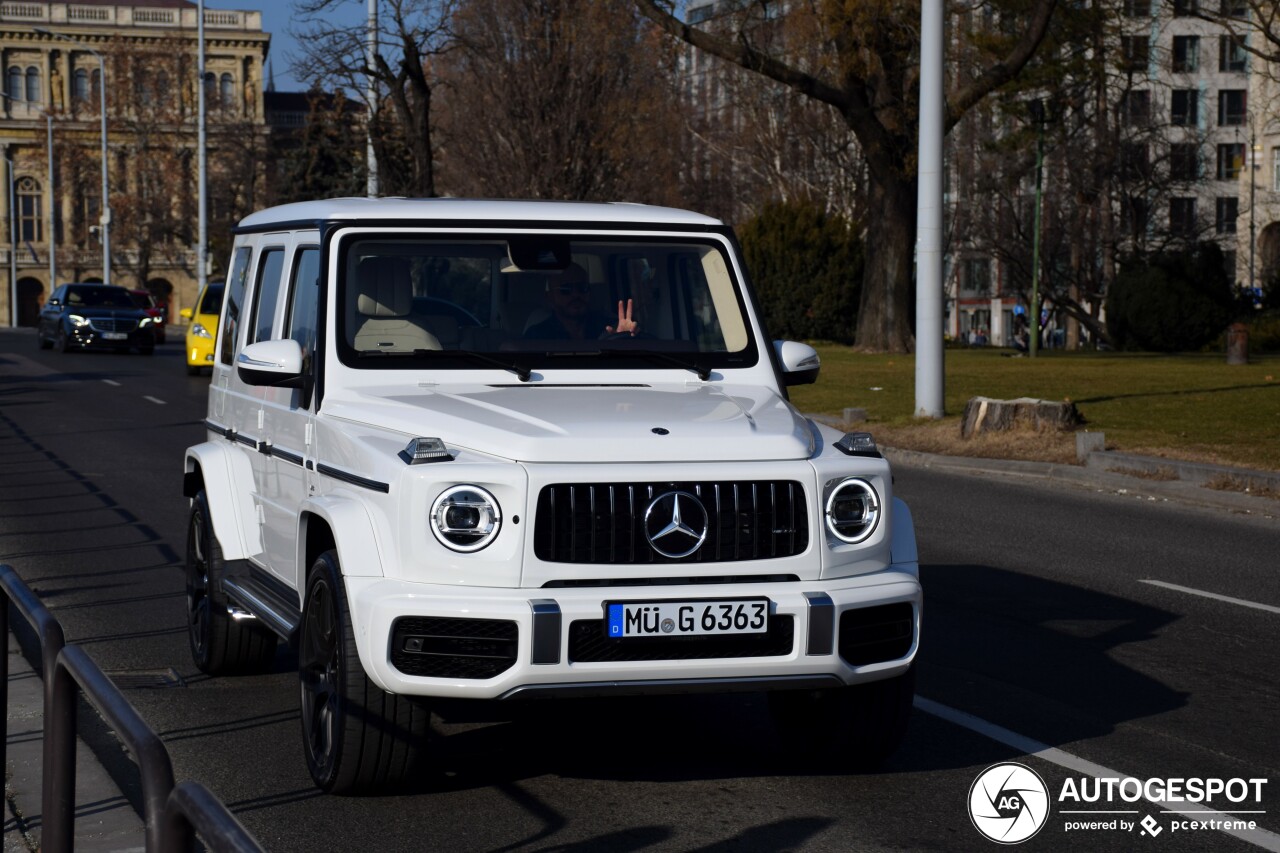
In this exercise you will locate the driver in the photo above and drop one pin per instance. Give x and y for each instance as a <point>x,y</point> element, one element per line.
<point>571,315</point>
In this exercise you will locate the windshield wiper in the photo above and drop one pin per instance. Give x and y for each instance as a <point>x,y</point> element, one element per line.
<point>521,371</point>
<point>704,372</point>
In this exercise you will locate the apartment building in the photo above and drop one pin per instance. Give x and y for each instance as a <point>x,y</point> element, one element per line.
<point>57,61</point>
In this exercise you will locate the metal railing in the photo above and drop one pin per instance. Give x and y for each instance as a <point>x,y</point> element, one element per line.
<point>173,815</point>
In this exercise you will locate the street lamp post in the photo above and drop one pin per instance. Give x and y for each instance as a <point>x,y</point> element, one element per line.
<point>1038,116</point>
<point>105,220</point>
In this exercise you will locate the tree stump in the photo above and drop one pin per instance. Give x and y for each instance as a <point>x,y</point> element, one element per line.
<point>983,414</point>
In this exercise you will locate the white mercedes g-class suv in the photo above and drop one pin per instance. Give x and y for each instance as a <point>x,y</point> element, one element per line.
<point>499,449</point>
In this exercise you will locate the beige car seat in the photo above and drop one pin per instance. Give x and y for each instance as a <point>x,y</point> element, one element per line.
<point>383,303</point>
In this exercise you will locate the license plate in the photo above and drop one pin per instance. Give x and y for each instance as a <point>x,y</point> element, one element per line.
<point>114,336</point>
<point>686,618</point>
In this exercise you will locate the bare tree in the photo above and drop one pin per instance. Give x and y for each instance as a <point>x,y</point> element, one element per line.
<point>568,99</point>
<point>868,72</point>
<point>411,35</point>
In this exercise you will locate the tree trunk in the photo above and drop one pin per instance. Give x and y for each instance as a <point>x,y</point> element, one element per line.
<point>884,319</point>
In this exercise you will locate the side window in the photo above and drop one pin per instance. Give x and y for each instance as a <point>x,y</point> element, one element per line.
<point>234,302</point>
<point>266,294</point>
<point>304,296</point>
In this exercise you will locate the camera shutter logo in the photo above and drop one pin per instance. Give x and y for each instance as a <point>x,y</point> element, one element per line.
<point>676,524</point>
<point>1008,803</point>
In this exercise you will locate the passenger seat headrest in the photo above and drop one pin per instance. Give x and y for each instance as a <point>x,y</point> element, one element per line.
<point>385,287</point>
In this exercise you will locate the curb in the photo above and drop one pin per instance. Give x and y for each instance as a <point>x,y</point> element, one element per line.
<point>105,821</point>
<point>1099,473</point>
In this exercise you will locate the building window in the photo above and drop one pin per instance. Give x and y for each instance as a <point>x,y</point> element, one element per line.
<point>1185,8</point>
<point>1137,8</point>
<point>1228,210</point>
<point>1229,264</point>
<point>977,277</point>
<point>226,91</point>
<point>15,83</point>
<point>95,83</point>
<point>1234,8</point>
<point>1184,162</point>
<point>1135,107</point>
<point>30,211</point>
<point>210,87</point>
<point>162,89</point>
<point>33,85</point>
<point>1275,169</point>
<point>1133,216</point>
<point>1182,217</point>
<point>1184,109</point>
<point>1186,53</point>
<point>1233,104</point>
<point>1230,161</point>
<point>1135,53</point>
<point>701,14</point>
<point>1231,54</point>
<point>80,85</point>
<point>1134,162</point>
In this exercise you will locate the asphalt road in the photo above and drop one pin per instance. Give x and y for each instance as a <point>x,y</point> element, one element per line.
<point>1038,621</point>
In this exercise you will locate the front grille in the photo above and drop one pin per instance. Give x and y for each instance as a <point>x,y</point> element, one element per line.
<point>440,647</point>
<point>112,324</point>
<point>875,634</point>
<point>589,644</point>
<point>604,523</point>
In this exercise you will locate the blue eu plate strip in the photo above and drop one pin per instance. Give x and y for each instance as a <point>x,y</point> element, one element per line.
<point>615,620</point>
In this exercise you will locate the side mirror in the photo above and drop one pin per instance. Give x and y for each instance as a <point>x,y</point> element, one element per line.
<point>276,364</point>
<point>186,313</point>
<point>800,362</point>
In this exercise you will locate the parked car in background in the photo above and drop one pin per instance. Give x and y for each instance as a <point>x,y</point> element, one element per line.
<point>202,328</point>
<point>96,316</point>
<point>144,300</point>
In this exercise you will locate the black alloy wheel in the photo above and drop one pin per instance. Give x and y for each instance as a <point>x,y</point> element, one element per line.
<point>220,644</point>
<point>357,737</point>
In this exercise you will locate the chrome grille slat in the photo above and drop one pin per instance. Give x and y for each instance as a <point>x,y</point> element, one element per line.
<point>596,523</point>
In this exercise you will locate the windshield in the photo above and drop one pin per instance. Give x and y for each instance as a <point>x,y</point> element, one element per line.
<point>212,301</point>
<point>89,296</point>
<point>432,301</point>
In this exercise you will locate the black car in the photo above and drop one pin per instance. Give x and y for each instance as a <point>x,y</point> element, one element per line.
<point>94,315</point>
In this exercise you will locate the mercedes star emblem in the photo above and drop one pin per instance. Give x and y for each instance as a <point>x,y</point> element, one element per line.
<point>675,524</point>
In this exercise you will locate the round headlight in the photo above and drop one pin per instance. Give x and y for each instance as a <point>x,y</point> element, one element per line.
<point>465,518</point>
<point>853,510</point>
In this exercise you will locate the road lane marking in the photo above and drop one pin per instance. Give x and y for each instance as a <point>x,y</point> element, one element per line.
<point>1267,607</point>
<point>112,382</point>
<point>1259,837</point>
<point>154,400</point>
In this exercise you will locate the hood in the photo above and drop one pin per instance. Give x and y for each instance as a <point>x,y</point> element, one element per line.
<point>546,423</point>
<point>94,312</point>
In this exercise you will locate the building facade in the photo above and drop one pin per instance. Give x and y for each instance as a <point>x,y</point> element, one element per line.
<point>57,60</point>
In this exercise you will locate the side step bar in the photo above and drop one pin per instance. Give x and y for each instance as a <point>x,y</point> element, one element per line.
<point>273,603</point>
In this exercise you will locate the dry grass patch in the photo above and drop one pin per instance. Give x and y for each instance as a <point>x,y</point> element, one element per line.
<point>944,437</point>
<point>1231,483</point>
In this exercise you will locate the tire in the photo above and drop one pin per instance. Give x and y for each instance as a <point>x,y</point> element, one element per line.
<point>63,344</point>
<point>858,727</point>
<point>356,736</point>
<point>42,342</point>
<point>146,350</point>
<point>193,370</point>
<point>220,645</point>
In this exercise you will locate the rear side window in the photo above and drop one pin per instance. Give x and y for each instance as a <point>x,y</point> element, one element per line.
<point>304,298</point>
<point>266,294</point>
<point>235,301</point>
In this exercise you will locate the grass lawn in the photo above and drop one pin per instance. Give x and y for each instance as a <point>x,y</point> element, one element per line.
<point>1191,407</point>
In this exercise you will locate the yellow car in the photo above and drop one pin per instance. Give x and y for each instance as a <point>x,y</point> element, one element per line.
<point>202,329</point>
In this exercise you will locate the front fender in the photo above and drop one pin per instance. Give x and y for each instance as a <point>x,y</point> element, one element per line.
<point>358,549</point>
<point>227,480</point>
<point>902,548</point>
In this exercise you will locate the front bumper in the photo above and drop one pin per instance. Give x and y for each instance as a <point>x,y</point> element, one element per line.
<point>90,338</point>
<point>813,657</point>
<point>199,351</point>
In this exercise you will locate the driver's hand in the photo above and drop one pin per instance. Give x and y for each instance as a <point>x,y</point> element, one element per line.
<point>625,324</point>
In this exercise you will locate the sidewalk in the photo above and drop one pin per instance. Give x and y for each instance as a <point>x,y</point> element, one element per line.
<point>105,821</point>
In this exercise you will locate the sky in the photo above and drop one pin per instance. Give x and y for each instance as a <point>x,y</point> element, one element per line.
<point>277,18</point>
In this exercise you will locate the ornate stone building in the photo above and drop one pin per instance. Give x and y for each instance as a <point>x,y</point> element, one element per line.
<point>52,61</point>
